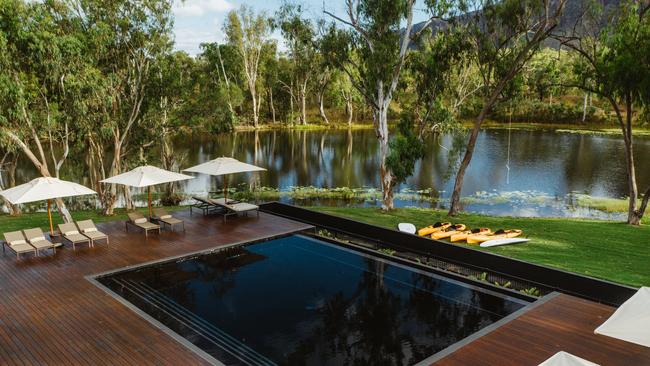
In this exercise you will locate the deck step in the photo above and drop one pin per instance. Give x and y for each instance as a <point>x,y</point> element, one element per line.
<point>195,323</point>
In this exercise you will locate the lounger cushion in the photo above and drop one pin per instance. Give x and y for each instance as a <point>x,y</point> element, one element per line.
<point>38,238</point>
<point>95,234</point>
<point>141,220</point>
<point>22,247</point>
<point>90,230</point>
<point>242,207</point>
<point>17,242</point>
<point>147,225</point>
<point>171,220</point>
<point>71,232</point>
<point>166,217</point>
<point>41,244</point>
<point>76,237</point>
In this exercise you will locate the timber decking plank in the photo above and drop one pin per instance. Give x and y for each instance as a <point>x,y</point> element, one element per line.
<point>564,323</point>
<point>51,314</point>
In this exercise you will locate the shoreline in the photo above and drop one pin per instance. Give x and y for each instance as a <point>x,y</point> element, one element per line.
<point>576,128</point>
<point>595,129</point>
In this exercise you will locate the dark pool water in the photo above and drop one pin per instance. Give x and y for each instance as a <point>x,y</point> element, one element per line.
<point>300,301</point>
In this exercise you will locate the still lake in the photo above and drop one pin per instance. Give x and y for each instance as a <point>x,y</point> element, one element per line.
<point>547,169</point>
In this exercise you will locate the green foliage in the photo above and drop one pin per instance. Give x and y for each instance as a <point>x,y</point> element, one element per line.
<point>405,149</point>
<point>387,251</point>
<point>532,291</point>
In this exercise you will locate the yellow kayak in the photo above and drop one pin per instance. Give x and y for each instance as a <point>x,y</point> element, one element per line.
<point>426,231</point>
<point>499,234</point>
<point>462,235</point>
<point>453,229</point>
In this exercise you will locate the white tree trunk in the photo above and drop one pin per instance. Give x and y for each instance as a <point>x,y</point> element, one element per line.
<point>584,108</point>
<point>303,103</point>
<point>321,108</point>
<point>386,176</point>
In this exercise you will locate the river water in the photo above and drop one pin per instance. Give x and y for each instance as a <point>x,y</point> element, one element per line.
<point>540,174</point>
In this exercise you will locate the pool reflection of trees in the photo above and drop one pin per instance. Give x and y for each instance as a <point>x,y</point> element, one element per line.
<point>376,326</point>
<point>382,322</point>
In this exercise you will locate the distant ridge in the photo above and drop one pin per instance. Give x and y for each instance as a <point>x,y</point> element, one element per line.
<point>573,11</point>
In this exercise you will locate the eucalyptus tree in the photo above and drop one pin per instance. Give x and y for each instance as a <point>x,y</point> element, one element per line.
<point>299,33</point>
<point>8,164</point>
<point>170,92</point>
<point>326,72</point>
<point>42,83</point>
<point>224,67</point>
<point>348,93</point>
<point>270,79</point>
<point>614,64</point>
<point>124,38</point>
<point>379,33</point>
<point>249,32</point>
<point>505,35</point>
<point>217,79</point>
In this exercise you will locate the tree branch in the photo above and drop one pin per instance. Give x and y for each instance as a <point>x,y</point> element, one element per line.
<point>26,150</point>
<point>353,22</point>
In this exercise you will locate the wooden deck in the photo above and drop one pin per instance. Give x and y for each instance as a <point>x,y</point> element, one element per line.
<point>564,323</point>
<point>51,314</point>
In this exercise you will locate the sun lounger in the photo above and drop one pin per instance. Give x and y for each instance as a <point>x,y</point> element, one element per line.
<point>36,238</point>
<point>235,208</point>
<point>70,232</point>
<point>138,220</point>
<point>204,205</point>
<point>16,241</point>
<point>160,215</point>
<point>88,228</point>
<point>222,201</point>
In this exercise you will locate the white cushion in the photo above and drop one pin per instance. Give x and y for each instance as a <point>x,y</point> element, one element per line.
<point>166,217</point>
<point>72,232</point>
<point>18,242</point>
<point>141,220</point>
<point>38,238</point>
<point>90,230</point>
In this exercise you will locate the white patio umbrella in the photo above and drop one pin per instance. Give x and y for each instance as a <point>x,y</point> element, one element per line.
<point>566,359</point>
<point>631,321</point>
<point>45,188</point>
<point>224,166</point>
<point>146,176</point>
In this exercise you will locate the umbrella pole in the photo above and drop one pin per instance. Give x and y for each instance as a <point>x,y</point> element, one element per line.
<point>49,215</point>
<point>149,195</point>
<point>225,189</point>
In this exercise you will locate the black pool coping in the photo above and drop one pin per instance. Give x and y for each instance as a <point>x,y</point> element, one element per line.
<point>485,331</point>
<point>589,288</point>
<point>423,268</point>
<point>94,279</point>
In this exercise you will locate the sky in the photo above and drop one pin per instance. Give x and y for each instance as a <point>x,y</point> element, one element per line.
<point>200,21</point>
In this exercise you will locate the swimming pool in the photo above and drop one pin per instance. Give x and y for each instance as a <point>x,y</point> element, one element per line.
<point>297,300</point>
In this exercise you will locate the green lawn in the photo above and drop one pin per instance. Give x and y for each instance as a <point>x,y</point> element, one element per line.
<point>603,249</point>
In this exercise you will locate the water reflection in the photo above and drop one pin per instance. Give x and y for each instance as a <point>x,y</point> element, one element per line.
<point>554,163</point>
<point>544,162</point>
